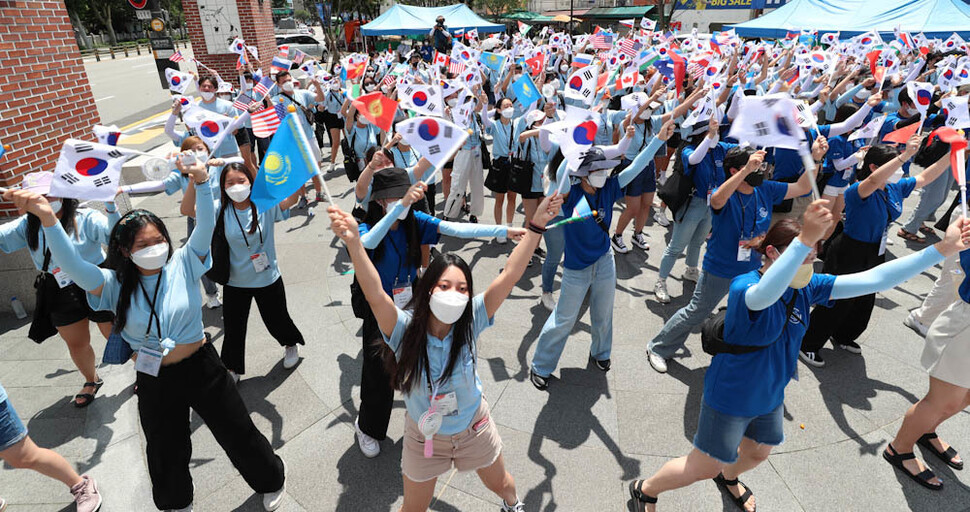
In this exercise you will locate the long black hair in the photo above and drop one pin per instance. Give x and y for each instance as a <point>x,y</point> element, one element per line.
<point>122,239</point>
<point>375,212</point>
<point>226,201</point>
<point>68,209</point>
<point>412,354</point>
<point>878,155</point>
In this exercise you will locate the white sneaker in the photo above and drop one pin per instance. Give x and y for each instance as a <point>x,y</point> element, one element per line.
<point>234,376</point>
<point>547,301</point>
<point>186,509</point>
<point>518,507</point>
<point>369,446</point>
<point>333,166</point>
<point>291,356</point>
<point>501,239</point>
<point>640,241</point>
<point>915,324</point>
<point>661,217</point>
<point>660,291</point>
<point>212,301</point>
<point>692,274</point>
<point>656,362</point>
<point>272,500</point>
<point>617,242</point>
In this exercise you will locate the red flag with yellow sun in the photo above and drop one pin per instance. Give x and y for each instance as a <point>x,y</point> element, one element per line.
<point>377,108</point>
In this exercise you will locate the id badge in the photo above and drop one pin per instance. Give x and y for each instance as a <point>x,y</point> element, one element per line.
<point>847,174</point>
<point>447,404</point>
<point>709,194</point>
<point>744,252</point>
<point>63,278</point>
<point>149,361</point>
<point>260,261</point>
<point>402,295</point>
<point>882,243</point>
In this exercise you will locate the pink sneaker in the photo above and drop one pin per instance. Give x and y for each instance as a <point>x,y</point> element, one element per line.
<point>86,495</point>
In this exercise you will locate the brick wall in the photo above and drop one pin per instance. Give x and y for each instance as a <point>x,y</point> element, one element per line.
<point>256,19</point>
<point>45,97</point>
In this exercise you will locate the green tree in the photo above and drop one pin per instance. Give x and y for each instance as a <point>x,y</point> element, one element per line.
<point>303,16</point>
<point>498,7</point>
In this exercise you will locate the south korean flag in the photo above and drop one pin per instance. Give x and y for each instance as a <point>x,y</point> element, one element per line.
<point>423,99</point>
<point>208,126</point>
<point>435,139</point>
<point>581,85</point>
<point>177,81</point>
<point>89,171</point>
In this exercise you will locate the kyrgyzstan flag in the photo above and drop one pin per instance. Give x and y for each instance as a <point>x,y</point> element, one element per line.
<point>378,109</point>
<point>902,135</point>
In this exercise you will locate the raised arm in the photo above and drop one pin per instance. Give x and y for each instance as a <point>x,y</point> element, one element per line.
<point>720,196</point>
<point>697,156</point>
<point>878,178</point>
<point>855,119</point>
<point>205,217</point>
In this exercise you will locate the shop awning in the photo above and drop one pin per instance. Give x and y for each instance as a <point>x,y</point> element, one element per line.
<point>617,13</point>
<point>576,12</point>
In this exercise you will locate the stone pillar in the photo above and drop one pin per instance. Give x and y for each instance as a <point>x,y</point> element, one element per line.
<point>211,33</point>
<point>45,97</point>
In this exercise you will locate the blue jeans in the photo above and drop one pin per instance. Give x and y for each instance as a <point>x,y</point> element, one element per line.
<point>719,435</point>
<point>708,293</point>
<point>555,244</point>
<point>689,232</point>
<point>600,280</point>
<point>932,196</point>
<point>207,284</point>
<point>12,430</point>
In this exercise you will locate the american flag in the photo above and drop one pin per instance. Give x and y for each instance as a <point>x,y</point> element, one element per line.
<point>388,80</point>
<point>602,41</point>
<point>267,121</point>
<point>263,87</point>
<point>298,56</point>
<point>176,57</point>
<point>242,102</point>
<point>629,47</point>
<point>455,67</point>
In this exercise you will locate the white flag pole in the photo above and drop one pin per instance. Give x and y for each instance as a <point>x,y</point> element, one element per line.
<point>962,179</point>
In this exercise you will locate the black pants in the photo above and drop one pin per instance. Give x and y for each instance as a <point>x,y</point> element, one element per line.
<point>202,383</point>
<point>376,394</point>
<point>271,301</point>
<point>847,319</point>
<point>263,146</point>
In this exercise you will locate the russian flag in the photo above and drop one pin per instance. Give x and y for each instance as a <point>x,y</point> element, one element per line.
<point>582,60</point>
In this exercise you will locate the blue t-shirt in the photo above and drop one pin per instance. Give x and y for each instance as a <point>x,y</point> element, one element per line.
<point>244,245</point>
<point>709,173</point>
<point>228,147</point>
<point>641,136</point>
<point>743,217</point>
<point>92,231</point>
<point>585,241</point>
<point>839,148</point>
<point>501,138</point>
<point>178,307</point>
<point>866,219</point>
<point>393,266</point>
<point>965,284</point>
<point>464,381</point>
<point>754,384</point>
<point>362,138</point>
<point>788,163</point>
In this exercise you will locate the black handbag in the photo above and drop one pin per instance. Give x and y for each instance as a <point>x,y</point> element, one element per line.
<point>520,178</point>
<point>41,326</point>
<point>486,156</point>
<point>350,157</point>
<point>677,190</point>
<point>219,272</point>
<point>497,179</point>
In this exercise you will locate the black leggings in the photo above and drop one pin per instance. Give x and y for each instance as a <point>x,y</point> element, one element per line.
<point>376,394</point>
<point>271,301</point>
<point>202,383</point>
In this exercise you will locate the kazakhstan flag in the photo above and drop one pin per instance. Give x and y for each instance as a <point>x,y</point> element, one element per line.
<point>287,166</point>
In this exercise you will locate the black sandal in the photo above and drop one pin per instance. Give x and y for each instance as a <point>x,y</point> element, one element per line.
<point>641,499</point>
<point>923,478</point>
<point>88,397</point>
<point>724,483</point>
<point>946,456</point>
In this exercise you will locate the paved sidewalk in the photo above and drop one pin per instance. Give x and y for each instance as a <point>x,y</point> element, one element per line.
<point>572,448</point>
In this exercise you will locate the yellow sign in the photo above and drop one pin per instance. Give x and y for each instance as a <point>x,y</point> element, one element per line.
<point>158,25</point>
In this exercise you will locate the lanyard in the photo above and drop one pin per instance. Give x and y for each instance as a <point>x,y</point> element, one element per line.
<point>243,231</point>
<point>151,304</point>
<point>400,258</point>
<point>754,220</point>
<point>508,137</point>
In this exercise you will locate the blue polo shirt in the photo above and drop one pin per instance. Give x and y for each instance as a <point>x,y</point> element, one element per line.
<point>866,219</point>
<point>839,148</point>
<point>392,264</point>
<point>743,217</point>
<point>754,384</point>
<point>243,245</point>
<point>788,163</point>
<point>586,242</point>
<point>709,173</point>
<point>501,138</point>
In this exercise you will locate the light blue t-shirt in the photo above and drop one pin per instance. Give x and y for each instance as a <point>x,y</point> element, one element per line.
<point>362,138</point>
<point>464,379</point>
<point>244,245</point>
<point>179,301</point>
<point>501,138</point>
<point>642,135</point>
<point>333,101</point>
<point>93,230</point>
<point>305,99</point>
<point>228,147</point>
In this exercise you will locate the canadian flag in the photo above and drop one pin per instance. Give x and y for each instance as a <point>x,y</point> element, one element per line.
<point>628,79</point>
<point>440,59</point>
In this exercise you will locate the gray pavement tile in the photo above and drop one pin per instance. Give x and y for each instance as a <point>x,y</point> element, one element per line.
<point>645,426</point>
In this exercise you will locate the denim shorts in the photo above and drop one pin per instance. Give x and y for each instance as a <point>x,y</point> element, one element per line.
<point>719,435</point>
<point>644,183</point>
<point>12,430</point>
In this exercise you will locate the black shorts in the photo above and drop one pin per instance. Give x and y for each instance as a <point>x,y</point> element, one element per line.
<point>531,195</point>
<point>70,304</point>
<point>242,136</point>
<point>331,121</point>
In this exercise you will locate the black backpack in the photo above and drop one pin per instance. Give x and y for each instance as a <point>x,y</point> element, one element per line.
<point>679,188</point>
<point>712,333</point>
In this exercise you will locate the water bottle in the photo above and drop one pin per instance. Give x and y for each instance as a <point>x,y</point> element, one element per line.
<point>18,308</point>
<point>310,212</point>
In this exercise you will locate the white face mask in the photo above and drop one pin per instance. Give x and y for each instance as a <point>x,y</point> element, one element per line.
<point>151,258</point>
<point>386,89</point>
<point>508,112</point>
<point>802,276</point>
<point>555,84</point>
<point>287,87</point>
<point>369,88</point>
<point>248,87</point>
<point>55,206</point>
<point>645,114</point>
<point>448,306</point>
<point>202,156</point>
<point>452,102</point>
<point>516,76</point>
<point>598,179</point>
<point>207,96</point>
<point>238,193</point>
<point>363,120</point>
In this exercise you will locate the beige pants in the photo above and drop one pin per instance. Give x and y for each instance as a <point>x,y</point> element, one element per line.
<point>944,292</point>
<point>467,172</point>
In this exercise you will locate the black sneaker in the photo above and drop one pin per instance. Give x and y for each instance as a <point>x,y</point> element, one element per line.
<point>541,383</point>
<point>539,252</point>
<point>603,365</point>
<point>811,358</point>
<point>850,346</point>
<point>473,219</point>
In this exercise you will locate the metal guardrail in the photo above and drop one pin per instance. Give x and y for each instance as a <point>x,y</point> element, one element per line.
<point>125,50</point>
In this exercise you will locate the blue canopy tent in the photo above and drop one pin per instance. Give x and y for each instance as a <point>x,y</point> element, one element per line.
<point>403,20</point>
<point>934,18</point>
